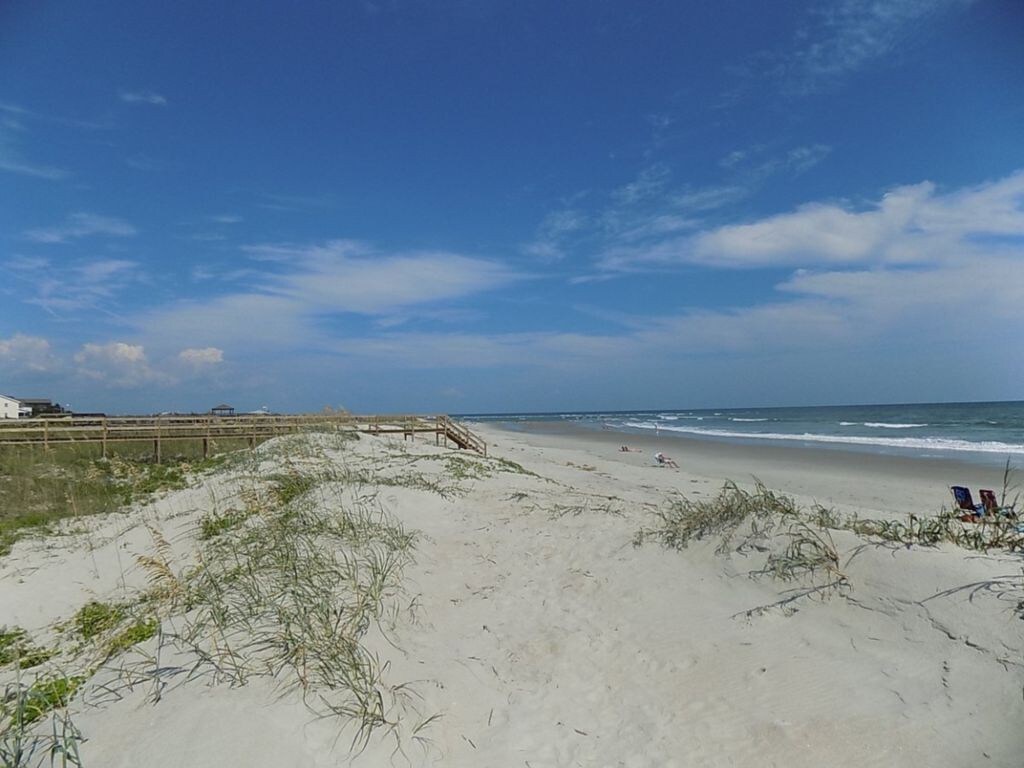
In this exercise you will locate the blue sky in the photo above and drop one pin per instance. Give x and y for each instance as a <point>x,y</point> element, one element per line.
<point>501,206</point>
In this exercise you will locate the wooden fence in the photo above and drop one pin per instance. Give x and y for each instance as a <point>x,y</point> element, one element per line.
<point>162,429</point>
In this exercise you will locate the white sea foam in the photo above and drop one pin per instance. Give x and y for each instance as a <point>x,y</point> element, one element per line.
<point>919,443</point>
<point>736,418</point>
<point>847,423</point>
<point>887,425</point>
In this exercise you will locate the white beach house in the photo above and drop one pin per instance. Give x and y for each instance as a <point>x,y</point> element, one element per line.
<point>9,407</point>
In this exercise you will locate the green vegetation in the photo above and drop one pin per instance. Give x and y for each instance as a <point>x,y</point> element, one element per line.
<point>461,468</point>
<point>22,706</point>
<point>16,647</point>
<point>505,465</point>
<point>39,487</point>
<point>48,693</point>
<point>286,583</point>
<point>945,527</point>
<point>683,520</point>
<point>290,595</point>
<point>798,542</point>
<point>138,632</point>
<point>220,522</point>
<point>95,618</point>
<point>291,486</point>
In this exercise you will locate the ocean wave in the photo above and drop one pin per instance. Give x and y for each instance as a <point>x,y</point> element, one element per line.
<point>737,418</point>
<point>921,443</point>
<point>848,423</point>
<point>887,425</point>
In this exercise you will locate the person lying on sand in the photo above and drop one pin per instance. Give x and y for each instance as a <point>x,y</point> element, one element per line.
<point>627,449</point>
<point>665,461</point>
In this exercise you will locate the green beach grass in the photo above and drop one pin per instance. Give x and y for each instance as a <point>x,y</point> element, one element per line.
<point>40,487</point>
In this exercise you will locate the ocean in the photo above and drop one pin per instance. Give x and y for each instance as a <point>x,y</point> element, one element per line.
<point>981,432</point>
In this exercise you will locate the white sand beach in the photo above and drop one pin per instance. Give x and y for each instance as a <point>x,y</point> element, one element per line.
<point>527,626</point>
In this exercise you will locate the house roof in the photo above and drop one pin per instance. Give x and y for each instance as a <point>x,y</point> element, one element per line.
<point>223,407</point>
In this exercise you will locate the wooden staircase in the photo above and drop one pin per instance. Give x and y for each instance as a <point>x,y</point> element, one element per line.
<point>460,435</point>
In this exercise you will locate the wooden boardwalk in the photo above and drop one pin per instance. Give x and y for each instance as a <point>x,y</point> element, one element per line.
<point>160,430</point>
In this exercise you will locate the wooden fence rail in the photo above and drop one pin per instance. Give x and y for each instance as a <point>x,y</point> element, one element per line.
<point>252,428</point>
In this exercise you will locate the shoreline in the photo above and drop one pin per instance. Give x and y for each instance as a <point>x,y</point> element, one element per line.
<point>851,480</point>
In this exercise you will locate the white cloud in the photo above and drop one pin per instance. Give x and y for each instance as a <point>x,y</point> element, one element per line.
<point>205,356</point>
<point>80,225</point>
<point>908,225</point>
<point>226,218</point>
<point>348,276</point>
<point>21,353</point>
<point>143,97</point>
<point>117,363</point>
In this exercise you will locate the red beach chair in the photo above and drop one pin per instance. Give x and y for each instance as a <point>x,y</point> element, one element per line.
<point>991,506</point>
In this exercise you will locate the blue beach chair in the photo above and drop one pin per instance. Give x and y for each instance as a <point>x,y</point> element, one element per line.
<point>964,502</point>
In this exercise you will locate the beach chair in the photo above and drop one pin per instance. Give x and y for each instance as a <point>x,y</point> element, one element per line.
<point>991,506</point>
<point>964,502</point>
<point>665,461</point>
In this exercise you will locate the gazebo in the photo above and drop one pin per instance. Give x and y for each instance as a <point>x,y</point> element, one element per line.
<point>222,410</point>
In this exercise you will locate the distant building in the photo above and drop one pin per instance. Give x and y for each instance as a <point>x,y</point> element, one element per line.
<point>39,406</point>
<point>10,408</point>
<point>222,410</point>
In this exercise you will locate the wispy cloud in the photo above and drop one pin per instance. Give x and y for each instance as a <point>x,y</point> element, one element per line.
<point>143,97</point>
<point>142,162</point>
<point>80,225</point>
<point>203,357</point>
<point>651,206</point>
<point>752,166</point>
<point>73,287</point>
<point>12,161</point>
<point>280,202</point>
<point>553,230</point>
<point>226,218</point>
<point>22,117</point>
<point>846,36</point>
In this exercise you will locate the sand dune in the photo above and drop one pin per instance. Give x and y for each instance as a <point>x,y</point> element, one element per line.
<point>526,627</point>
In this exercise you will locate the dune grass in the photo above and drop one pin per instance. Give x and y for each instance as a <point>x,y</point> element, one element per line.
<point>797,543</point>
<point>23,744</point>
<point>287,583</point>
<point>683,519</point>
<point>39,487</point>
<point>17,648</point>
